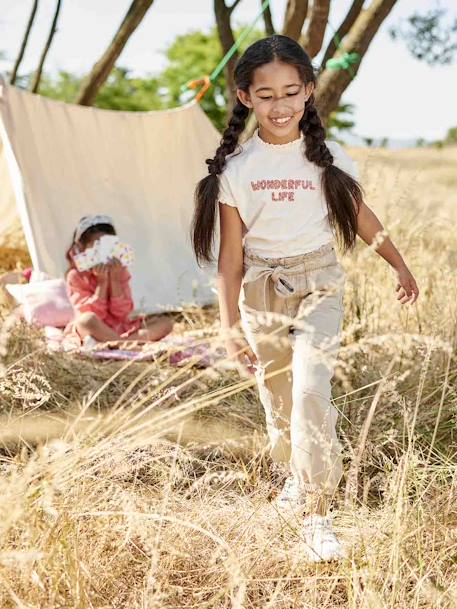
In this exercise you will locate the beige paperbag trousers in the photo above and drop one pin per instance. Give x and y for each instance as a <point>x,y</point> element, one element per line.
<point>291,312</point>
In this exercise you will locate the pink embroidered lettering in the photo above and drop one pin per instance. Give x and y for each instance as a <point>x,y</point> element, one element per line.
<point>283,195</point>
<point>283,185</point>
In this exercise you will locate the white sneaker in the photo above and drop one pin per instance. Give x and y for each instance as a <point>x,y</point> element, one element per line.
<point>321,542</point>
<point>291,496</point>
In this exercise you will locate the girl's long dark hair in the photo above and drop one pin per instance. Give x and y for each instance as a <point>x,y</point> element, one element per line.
<point>342,192</point>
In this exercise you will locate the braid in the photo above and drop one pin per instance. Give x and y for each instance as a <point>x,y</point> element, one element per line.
<point>229,139</point>
<point>207,191</point>
<point>342,193</point>
<point>314,134</point>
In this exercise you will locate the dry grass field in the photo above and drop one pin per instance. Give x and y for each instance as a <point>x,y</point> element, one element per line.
<point>149,485</point>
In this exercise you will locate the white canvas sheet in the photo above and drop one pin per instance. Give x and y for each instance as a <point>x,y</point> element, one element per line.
<point>66,161</point>
<point>8,209</point>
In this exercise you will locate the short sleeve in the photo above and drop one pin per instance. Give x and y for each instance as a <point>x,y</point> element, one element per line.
<point>342,160</point>
<point>225,191</point>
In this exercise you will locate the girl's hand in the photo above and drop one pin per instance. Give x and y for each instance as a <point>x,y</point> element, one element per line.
<point>101,271</point>
<point>247,358</point>
<point>115,269</point>
<point>406,287</point>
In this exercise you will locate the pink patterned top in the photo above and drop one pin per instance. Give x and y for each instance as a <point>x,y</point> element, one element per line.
<point>114,311</point>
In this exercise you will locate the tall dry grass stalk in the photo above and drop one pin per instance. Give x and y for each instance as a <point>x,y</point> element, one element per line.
<point>148,485</point>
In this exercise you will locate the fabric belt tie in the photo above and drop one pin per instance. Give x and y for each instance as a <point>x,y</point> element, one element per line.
<point>269,273</point>
<point>282,281</point>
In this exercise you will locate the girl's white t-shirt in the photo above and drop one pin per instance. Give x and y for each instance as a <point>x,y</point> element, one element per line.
<point>278,195</point>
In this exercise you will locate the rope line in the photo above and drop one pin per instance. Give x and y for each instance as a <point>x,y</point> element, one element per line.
<point>206,82</point>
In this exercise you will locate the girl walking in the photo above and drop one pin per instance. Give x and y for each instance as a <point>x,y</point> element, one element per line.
<point>285,199</point>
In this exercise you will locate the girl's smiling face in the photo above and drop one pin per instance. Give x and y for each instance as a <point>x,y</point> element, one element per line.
<point>277,96</point>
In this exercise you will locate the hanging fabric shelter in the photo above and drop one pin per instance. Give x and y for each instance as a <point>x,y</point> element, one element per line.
<point>61,161</point>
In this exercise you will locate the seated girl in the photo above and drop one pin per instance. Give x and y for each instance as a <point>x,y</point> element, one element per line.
<point>102,297</point>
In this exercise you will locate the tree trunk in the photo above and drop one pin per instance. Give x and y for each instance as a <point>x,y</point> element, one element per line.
<point>344,28</point>
<point>296,11</point>
<point>332,83</point>
<point>101,70</point>
<point>267,19</point>
<point>37,77</point>
<point>314,36</point>
<point>223,15</point>
<point>24,43</point>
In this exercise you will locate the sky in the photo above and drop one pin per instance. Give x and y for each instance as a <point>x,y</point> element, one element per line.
<point>395,95</point>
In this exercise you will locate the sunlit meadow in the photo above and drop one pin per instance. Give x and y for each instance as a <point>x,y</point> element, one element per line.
<point>149,485</point>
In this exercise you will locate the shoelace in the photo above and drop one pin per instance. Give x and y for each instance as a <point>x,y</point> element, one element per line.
<point>322,524</point>
<point>290,488</point>
<point>326,535</point>
<point>329,535</point>
<point>325,529</point>
<point>289,483</point>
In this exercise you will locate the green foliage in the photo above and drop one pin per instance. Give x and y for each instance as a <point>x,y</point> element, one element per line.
<point>450,139</point>
<point>193,56</point>
<point>340,120</point>
<point>428,37</point>
<point>190,57</point>
<point>451,136</point>
<point>63,87</point>
<point>121,91</point>
<point>124,92</point>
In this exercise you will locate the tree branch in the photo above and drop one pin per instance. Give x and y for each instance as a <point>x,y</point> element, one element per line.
<point>267,19</point>
<point>344,28</point>
<point>222,13</point>
<point>101,70</point>
<point>314,36</point>
<point>24,42</point>
<point>37,77</point>
<point>233,6</point>
<point>332,83</point>
<point>296,11</point>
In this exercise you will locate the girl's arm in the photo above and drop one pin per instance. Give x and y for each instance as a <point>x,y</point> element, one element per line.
<point>230,265</point>
<point>230,273</point>
<point>368,226</point>
<point>83,298</point>
<point>121,301</point>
